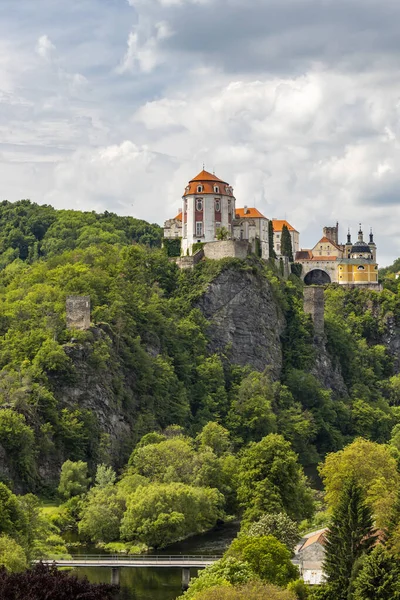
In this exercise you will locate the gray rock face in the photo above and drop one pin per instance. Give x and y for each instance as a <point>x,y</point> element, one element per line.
<point>245,320</point>
<point>323,370</point>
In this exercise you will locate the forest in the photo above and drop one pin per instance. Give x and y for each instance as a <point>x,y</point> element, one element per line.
<point>203,440</point>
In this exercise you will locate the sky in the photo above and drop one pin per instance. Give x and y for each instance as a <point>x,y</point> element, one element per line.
<point>115,104</point>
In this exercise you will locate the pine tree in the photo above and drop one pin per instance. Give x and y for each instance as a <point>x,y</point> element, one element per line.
<point>286,243</point>
<point>350,536</point>
<point>379,577</point>
<point>272,253</point>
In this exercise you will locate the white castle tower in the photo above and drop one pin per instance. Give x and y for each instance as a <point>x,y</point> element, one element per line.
<point>208,205</point>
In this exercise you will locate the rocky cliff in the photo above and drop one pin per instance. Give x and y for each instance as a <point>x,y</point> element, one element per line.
<point>245,320</point>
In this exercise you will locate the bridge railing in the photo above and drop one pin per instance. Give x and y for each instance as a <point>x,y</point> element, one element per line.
<point>135,558</point>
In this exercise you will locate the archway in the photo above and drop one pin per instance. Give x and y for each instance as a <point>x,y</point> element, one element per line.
<point>317,277</point>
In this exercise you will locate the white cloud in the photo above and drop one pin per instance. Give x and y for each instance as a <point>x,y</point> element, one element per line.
<point>45,48</point>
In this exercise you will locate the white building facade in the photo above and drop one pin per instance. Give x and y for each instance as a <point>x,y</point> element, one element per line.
<point>208,206</point>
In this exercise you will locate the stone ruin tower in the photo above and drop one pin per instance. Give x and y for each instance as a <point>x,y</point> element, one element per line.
<point>78,312</point>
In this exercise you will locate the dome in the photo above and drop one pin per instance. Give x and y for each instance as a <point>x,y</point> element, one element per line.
<point>207,183</point>
<point>360,247</point>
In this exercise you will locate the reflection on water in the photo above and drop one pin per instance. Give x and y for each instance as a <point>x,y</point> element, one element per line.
<point>163,583</point>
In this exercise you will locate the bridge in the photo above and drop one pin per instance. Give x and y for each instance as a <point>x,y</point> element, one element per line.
<point>116,561</point>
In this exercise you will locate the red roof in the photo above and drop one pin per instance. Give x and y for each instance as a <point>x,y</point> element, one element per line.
<point>251,213</point>
<point>304,255</point>
<point>206,176</point>
<point>277,224</point>
<point>178,217</point>
<point>326,240</point>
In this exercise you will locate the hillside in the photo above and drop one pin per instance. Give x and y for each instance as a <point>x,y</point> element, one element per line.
<point>221,343</point>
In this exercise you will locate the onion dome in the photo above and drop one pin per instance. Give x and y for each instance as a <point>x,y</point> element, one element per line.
<point>360,247</point>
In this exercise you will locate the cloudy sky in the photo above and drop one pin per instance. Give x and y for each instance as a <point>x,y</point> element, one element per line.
<point>116,104</point>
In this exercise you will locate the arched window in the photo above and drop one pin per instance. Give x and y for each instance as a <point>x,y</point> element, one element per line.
<point>216,189</point>
<point>199,204</point>
<point>199,189</point>
<point>361,268</point>
<point>217,205</point>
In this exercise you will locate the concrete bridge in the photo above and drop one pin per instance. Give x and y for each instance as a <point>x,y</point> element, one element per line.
<point>117,561</point>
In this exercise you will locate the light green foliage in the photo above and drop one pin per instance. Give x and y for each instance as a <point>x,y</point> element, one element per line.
<point>300,589</point>
<point>250,591</point>
<point>216,437</point>
<point>225,571</point>
<point>267,557</point>
<point>252,417</point>
<point>101,514</point>
<point>130,482</point>
<point>73,479</point>
<point>39,537</point>
<point>350,536</point>
<point>280,526</point>
<point>373,468</point>
<point>12,556</point>
<point>105,476</point>
<point>160,514</point>
<point>11,514</point>
<point>171,460</point>
<point>379,578</point>
<point>271,480</point>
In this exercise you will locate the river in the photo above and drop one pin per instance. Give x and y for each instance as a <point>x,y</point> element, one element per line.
<point>163,583</point>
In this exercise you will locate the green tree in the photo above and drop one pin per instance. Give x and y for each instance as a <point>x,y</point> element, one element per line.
<point>226,571</point>
<point>379,577</point>
<point>350,536</point>
<point>12,556</point>
<point>105,476</point>
<point>170,460</point>
<point>216,437</point>
<point>74,479</point>
<point>286,243</point>
<point>280,526</point>
<point>272,253</point>
<point>250,591</point>
<point>373,468</point>
<point>18,439</point>
<point>267,557</point>
<point>11,515</point>
<point>101,514</point>
<point>160,514</point>
<point>272,480</point>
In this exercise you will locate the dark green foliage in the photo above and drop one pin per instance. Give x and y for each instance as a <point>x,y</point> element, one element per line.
<point>350,536</point>
<point>379,577</point>
<point>296,269</point>
<point>272,253</point>
<point>172,246</point>
<point>197,246</point>
<point>286,243</point>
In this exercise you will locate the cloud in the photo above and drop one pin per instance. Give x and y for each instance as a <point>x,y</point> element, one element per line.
<point>45,48</point>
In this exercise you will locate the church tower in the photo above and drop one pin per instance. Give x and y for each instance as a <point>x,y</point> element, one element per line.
<point>208,206</point>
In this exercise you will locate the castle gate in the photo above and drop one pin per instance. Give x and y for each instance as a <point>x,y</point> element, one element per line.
<point>317,277</point>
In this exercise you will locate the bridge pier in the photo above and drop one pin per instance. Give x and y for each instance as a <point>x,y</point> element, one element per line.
<point>115,575</point>
<point>185,578</point>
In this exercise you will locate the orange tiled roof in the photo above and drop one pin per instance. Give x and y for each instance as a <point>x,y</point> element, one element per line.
<point>178,217</point>
<point>326,240</point>
<point>206,176</point>
<point>208,181</point>
<point>251,213</point>
<point>277,224</point>
<point>318,538</point>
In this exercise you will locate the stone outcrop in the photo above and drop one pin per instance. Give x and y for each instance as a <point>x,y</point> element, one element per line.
<point>245,320</point>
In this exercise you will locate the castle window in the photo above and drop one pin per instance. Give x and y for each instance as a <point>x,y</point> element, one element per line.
<point>199,228</point>
<point>360,268</point>
<point>217,205</point>
<point>199,189</point>
<point>199,204</point>
<point>216,189</point>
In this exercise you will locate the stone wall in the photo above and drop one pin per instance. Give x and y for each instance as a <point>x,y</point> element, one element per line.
<point>188,262</point>
<point>78,312</point>
<point>314,305</point>
<point>227,248</point>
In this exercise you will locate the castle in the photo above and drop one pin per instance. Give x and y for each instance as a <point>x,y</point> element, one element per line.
<point>210,223</point>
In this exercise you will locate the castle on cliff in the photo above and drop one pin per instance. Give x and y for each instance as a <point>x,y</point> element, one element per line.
<point>210,223</point>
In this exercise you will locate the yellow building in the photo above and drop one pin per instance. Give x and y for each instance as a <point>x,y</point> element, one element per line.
<point>347,264</point>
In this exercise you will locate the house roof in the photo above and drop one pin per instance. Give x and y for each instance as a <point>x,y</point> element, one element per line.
<point>321,258</point>
<point>278,224</point>
<point>318,538</point>
<point>325,240</point>
<point>251,213</point>
<point>208,181</point>
<point>178,216</point>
